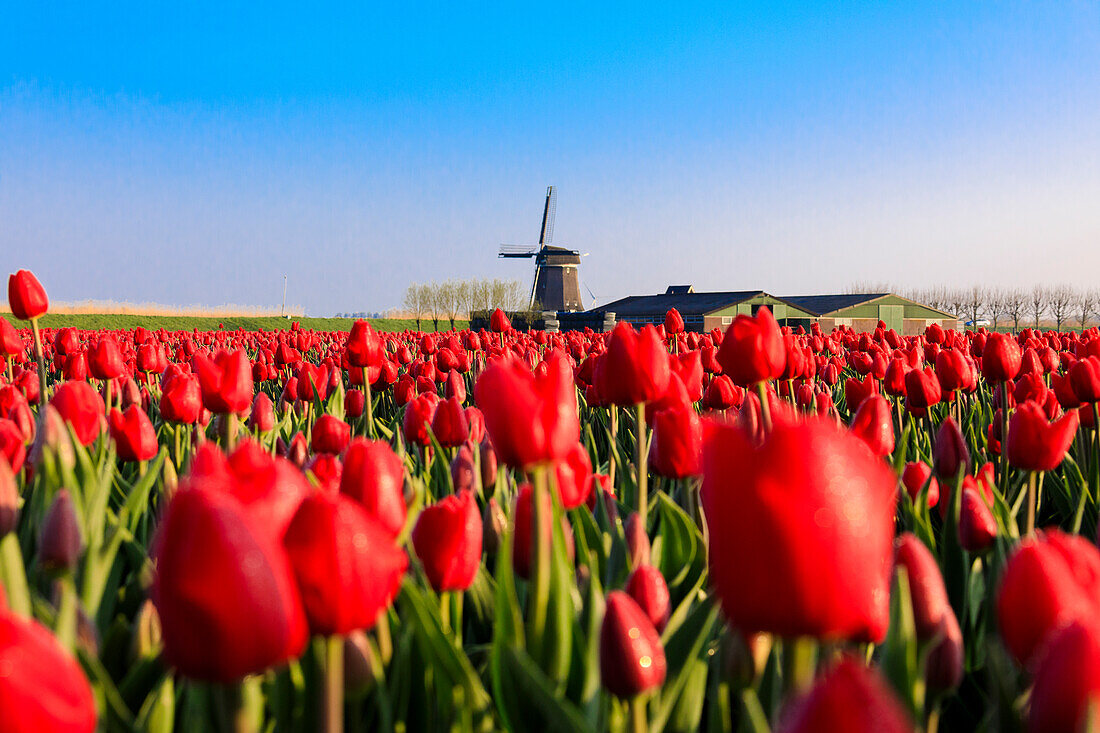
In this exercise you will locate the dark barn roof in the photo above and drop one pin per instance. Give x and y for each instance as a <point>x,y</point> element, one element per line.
<point>821,304</point>
<point>693,304</point>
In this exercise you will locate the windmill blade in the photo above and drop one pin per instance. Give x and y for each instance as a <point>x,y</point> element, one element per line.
<point>552,216</point>
<point>517,250</point>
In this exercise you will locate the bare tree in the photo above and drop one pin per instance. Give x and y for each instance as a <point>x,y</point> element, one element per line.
<point>435,306</point>
<point>955,300</point>
<point>975,298</point>
<point>994,305</point>
<point>867,287</point>
<point>1038,303</point>
<point>1061,301</point>
<point>1085,305</point>
<point>464,294</point>
<point>415,302</point>
<point>1014,300</point>
<point>451,300</point>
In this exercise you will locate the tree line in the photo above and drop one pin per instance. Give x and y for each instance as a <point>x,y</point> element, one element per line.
<point>1062,304</point>
<point>450,299</point>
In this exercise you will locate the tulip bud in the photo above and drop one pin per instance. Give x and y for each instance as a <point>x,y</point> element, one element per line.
<point>146,641</point>
<point>950,454</point>
<point>9,499</point>
<point>850,696</point>
<point>358,664</point>
<point>59,541</point>
<point>647,587</point>
<point>632,660</point>
<point>926,588</point>
<point>52,435</point>
<point>488,464</point>
<point>943,669</point>
<point>494,524</point>
<point>171,479</point>
<point>637,541</point>
<point>298,452</point>
<point>977,527</point>
<point>463,470</point>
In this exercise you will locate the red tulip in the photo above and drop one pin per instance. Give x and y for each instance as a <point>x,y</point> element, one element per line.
<point>82,407</point>
<point>417,421</point>
<point>42,687</point>
<point>1034,443</point>
<point>105,360</point>
<point>181,399</point>
<point>849,697</point>
<point>915,475</point>
<point>922,389</point>
<point>573,477</point>
<point>26,296</point>
<point>1001,358</point>
<point>226,382</point>
<point>1084,376</point>
<point>449,423</point>
<point>363,347</point>
<point>262,417</point>
<point>523,518</point>
<point>632,660</point>
<point>1051,580</point>
<point>752,349</point>
<point>11,344</point>
<point>1067,681</point>
<point>792,500</point>
<point>647,587</point>
<point>498,321</point>
<point>346,564</point>
<point>874,425</point>
<point>330,435</point>
<point>355,402</point>
<point>133,433</point>
<point>674,322</point>
<point>12,445</point>
<point>224,590</point>
<point>722,394</point>
<point>926,589</point>
<point>447,539</point>
<point>635,368</point>
<point>677,443</point>
<point>530,419</point>
<point>950,454</point>
<point>856,391</point>
<point>375,477</point>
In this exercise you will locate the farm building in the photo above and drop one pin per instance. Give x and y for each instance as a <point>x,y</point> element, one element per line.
<point>705,311</point>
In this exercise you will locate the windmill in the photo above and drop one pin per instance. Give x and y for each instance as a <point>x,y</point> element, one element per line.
<point>556,286</point>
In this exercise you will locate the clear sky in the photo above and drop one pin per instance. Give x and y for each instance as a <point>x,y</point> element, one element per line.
<point>195,156</point>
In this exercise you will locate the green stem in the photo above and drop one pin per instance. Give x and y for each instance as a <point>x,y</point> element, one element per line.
<point>639,718</point>
<point>43,394</point>
<point>1031,501</point>
<point>614,439</point>
<point>66,612</point>
<point>13,575</point>
<point>765,406</point>
<point>801,665</point>
<point>641,466</point>
<point>334,684</point>
<point>385,640</point>
<point>540,599</point>
<point>368,406</point>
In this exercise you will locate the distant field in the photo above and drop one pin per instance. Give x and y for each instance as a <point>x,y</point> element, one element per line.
<point>95,321</point>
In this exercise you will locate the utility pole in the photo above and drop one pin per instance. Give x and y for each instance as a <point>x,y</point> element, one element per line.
<point>282,309</point>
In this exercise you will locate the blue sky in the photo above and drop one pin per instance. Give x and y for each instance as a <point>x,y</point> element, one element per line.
<point>195,156</point>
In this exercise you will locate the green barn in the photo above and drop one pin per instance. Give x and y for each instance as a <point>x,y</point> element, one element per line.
<point>706,311</point>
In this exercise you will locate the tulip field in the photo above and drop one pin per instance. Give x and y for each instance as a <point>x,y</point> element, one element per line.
<point>642,530</point>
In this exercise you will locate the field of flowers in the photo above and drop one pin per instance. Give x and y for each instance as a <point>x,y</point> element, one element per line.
<point>645,530</point>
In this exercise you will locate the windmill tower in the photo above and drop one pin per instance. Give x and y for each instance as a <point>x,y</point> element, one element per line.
<point>557,285</point>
